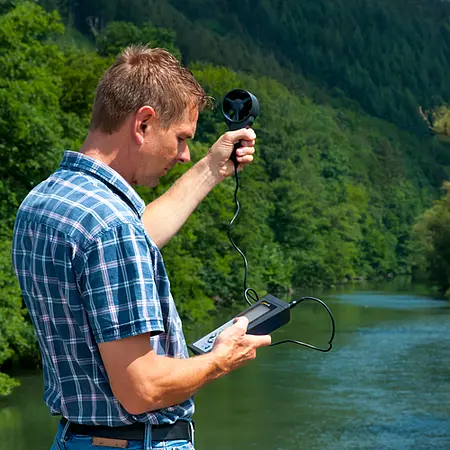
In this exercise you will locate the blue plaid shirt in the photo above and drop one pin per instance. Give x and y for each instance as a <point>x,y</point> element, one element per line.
<point>90,273</point>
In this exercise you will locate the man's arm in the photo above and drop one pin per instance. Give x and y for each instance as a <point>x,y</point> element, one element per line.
<point>166,215</point>
<point>143,381</point>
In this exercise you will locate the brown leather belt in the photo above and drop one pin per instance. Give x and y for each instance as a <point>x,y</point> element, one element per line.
<point>180,430</point>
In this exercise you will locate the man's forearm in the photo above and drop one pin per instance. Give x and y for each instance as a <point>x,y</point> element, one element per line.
<point>177,380</point>
<point>166,215</point>
<point>143,381</point>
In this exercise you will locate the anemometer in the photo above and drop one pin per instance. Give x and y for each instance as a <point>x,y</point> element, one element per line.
<point>240,109</point>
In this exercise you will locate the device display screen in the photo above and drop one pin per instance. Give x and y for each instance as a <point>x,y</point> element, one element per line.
<point>256,312</point>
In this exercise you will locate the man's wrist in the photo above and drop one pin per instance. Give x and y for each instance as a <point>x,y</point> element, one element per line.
<point>212,169</point>
<point>218,364</point>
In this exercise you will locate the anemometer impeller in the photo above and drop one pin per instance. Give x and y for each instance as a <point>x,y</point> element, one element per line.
<point>240,109</point>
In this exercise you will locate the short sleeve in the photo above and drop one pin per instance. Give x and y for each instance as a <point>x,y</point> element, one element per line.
<point>117,285</point>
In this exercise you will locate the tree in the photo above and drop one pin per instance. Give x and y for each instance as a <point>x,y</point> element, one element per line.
<point>117,35</point>
<point>432,246</point>
<point>438,121</point>
<point>30,147</point>
<point>29,94</point>
<point>17,338</point>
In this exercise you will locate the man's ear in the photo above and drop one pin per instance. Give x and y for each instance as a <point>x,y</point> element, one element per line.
<point>144,115</point>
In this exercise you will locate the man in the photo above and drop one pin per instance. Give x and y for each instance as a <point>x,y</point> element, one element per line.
<point>86,253</point>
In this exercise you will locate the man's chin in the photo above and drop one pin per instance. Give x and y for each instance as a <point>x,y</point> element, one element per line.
<point>151,183</point>
<point>154,181</point>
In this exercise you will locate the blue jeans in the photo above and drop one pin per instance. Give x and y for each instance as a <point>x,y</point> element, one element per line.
<point>68,441</point>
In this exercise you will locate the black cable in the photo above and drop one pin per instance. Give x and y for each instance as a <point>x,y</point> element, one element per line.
<point>293,304</point>
<point>253,295</point>
<point>248,292</point>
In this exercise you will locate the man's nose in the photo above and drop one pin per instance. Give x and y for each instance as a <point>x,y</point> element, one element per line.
<point>185,155</point>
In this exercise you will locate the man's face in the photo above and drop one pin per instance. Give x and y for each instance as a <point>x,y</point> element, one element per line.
<point>163,148</point>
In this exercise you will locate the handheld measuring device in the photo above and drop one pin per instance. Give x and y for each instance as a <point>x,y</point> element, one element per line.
<point>240,109</point>
<point>264,316</point>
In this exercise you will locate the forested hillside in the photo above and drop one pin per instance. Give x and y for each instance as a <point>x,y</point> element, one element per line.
<point>389,56</point>
<point>334,192</point>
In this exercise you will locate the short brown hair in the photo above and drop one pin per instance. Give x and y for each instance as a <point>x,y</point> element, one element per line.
<point>144,76</point>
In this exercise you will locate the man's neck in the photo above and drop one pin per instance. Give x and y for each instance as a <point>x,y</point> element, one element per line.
<point>110,150</point>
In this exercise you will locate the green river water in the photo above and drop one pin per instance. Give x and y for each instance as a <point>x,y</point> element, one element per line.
<point>385,384</point>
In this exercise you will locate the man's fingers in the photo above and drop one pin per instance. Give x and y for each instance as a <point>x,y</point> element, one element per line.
<point>247,143</point>
<point>246,134</point>
<point>243,151</point>
<point>244,155</point>
<point>244,161</point>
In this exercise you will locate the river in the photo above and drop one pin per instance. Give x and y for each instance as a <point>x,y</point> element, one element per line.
<point>385,384</point>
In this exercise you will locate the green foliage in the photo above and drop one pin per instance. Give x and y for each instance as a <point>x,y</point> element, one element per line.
<point>7,384</point>
<point>29,93</point>
<point>79,76</point>
<point>16,334</point>
<point>117,35</point>
<point>432,245</point>
<point>438,121</point>
<point>387,57</point>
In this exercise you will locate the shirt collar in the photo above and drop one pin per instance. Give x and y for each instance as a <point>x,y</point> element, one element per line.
<point>80,162</point>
